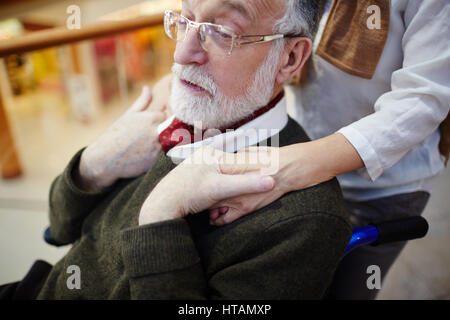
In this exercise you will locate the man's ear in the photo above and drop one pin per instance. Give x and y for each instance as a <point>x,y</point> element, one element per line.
<point>296,52</point>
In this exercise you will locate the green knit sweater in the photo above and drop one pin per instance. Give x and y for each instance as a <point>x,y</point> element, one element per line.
<point>287,250</point>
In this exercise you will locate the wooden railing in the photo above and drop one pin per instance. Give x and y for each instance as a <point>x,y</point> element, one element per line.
<point>10,166</point>
<point>60,36</point>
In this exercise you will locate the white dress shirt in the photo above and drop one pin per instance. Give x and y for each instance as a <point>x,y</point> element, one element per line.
<point>259,129</point>
<point>392,119</point>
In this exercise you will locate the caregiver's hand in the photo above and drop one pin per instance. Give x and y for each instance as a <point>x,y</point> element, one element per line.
<point>127,149</point>
<point>231,209</point>
<point>300,166</point>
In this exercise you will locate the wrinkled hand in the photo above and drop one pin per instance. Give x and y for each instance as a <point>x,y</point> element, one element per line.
<point>127,149</point>
<point>196,185</point>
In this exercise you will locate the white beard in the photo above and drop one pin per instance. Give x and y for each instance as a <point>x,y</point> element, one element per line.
<point>219,111</point>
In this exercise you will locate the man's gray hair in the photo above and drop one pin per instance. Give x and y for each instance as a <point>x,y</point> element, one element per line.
<point>300,18</point>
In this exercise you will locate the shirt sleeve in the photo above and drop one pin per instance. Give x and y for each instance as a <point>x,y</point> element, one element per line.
<point>291,259</point>
<point>69,206</point>
<point>419,99</point>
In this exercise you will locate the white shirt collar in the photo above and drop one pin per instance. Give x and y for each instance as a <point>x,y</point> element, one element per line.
<point>259,129</point>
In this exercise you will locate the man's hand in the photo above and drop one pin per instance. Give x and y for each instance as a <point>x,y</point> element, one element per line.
<point>161,95</point>
<point>196,185</point>
<point>127,149</point>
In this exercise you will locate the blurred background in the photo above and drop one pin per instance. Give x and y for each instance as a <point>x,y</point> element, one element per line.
<point>56,100</point>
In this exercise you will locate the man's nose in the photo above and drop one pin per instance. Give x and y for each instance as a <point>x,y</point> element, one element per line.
<point>189,50</point>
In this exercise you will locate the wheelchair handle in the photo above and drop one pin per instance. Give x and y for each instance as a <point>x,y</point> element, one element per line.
<point>48,237</point>
<point>401,230</point>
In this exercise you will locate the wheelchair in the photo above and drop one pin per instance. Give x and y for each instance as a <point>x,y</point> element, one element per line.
<point>388,231</point>
<point>374,234</point>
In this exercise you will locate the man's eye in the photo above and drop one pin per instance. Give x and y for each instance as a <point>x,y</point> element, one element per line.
<point>181,23</point>
<point>224,35</point>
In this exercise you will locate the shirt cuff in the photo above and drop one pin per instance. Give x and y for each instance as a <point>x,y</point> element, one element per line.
<point>373,168</point>
<point>158,247</point>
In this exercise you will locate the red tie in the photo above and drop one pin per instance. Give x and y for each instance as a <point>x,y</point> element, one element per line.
<point>168,139</point>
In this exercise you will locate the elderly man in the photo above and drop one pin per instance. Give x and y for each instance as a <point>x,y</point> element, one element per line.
<point>138,222</point>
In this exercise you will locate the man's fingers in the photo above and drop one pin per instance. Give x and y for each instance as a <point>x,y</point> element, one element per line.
<point>161,94</point>
<point>158,117</point>
<point>234,185</point>
<point>143,101</point>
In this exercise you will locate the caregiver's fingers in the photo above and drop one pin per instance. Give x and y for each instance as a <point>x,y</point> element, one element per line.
<point>232,214</point>
<point>247,160</point>
<point>229,186</point>
<point>216,212</point>
<point>237,207</point>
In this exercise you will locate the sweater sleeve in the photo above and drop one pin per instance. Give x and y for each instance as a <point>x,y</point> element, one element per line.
<point>68,205</point>
<point>162,262</point>
<point>292,259</point>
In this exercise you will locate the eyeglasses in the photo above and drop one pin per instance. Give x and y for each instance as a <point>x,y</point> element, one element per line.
<point>213,38</point>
